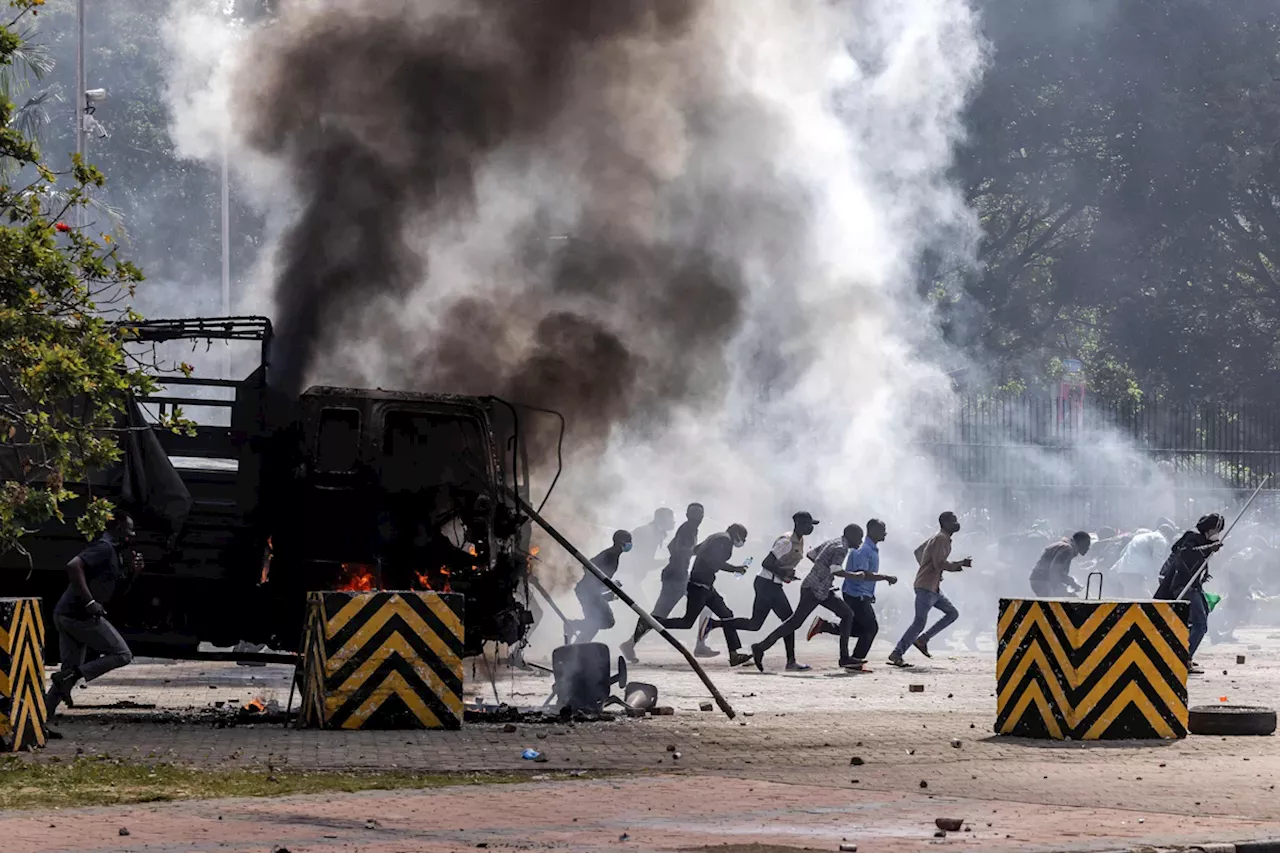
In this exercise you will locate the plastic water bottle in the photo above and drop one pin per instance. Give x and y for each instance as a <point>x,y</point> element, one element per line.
<point>747,562</point>
<point>531,755</point>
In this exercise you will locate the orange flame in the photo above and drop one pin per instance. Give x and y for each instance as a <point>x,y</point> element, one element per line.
<point>355,577</point>
<point>266,563</point>
<point>257,706</point>
<point>424,581</point>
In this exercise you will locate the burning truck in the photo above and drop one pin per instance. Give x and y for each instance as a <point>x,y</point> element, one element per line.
<point>337,488</point>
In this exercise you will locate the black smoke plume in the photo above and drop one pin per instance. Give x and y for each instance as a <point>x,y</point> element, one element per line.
<point>387,114</point>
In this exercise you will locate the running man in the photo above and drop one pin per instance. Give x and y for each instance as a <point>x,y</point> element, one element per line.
<point>675,580</point>
<point>594,597</point>
<point>862,569</point>
<point>933,556</point>
<point>778,568</point>
<point>710,558</point>
<point>816,591</point>
<point>81,614</point>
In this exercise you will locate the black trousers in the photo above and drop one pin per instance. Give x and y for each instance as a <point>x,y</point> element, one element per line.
<point>597,615</point>
<point>770,598</point>
<point>809,603</point>
<point>865,625</point>
<point>697,598</point>
<point>674,584</point>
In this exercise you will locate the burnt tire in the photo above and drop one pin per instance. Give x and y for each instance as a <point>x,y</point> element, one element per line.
<point>1231,720</point>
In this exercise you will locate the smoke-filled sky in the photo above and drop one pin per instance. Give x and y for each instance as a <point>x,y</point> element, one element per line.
<point>695,227</point>
<point>689,225</point>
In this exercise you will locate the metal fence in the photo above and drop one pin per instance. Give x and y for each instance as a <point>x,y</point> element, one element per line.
<point>1086,462</point>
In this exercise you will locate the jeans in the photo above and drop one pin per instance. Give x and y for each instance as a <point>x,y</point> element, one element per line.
<point>770,598</point>
<point>926,600</point>
<point>697,598</point>
<point>78,636</point>
<point>809,603</point>
<point>865,624</point>
<point>1198,621</point>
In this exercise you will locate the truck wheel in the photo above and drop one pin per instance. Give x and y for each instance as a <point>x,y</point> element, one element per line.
<point>1231,720</point>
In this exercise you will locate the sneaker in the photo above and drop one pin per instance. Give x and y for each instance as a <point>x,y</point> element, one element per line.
<point>894,660</point>
<point>819,626</point>
<point>706,652</point>
<point>792,666</point>
<point>757,655</point>
<point>738,658</point>
<point>704,628</point>
<point>628,649</point>
<point>853,663</point>
<point>923,647</point>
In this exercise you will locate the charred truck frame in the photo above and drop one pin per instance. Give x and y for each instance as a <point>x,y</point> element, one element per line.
<point>340,488</point>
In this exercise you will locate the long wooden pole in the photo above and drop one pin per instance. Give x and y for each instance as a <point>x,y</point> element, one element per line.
<point>627,600</point>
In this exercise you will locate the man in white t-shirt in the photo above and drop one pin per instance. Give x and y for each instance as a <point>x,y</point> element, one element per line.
<point>778,568</point>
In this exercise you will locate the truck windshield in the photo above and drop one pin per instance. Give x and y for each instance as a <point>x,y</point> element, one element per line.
<point>427,450</point>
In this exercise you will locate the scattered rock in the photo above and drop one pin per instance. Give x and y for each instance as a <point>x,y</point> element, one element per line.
<point>848,848</point>
<point>663,711</point>
<point>971,725</point>
<point>856,761</point>
<point>542,735</point>
<point>955,743</point>
<point>705,706</point>
<point>923,784</point>
<point>671,747</point>
<point>1239,660</point>
<point>939,834</point>
<point>950,695</point>
<point>911,752</point>
<point>124,830</point>
<point>509,728</point>
<point>856,781</point>
<point>281,849</point>
<point>482,844</point>
<point>372,824</point>
<point>748,713</point>
<point>915,688</point>
<point>623,837</point>
<point>675,756</point>
<point>949,824</point>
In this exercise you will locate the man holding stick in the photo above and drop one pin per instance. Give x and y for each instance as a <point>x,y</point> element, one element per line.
<point>1182,571</point>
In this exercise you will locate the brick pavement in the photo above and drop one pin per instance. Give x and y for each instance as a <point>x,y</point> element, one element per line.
<point>795,731</point>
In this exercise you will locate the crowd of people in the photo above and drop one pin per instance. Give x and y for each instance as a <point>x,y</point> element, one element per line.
<point>1146,563</point>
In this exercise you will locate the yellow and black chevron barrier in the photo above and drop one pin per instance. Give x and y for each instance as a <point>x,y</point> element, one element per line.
<point>1092,670</point>
<point>382,660</point>
<point>23,718</point>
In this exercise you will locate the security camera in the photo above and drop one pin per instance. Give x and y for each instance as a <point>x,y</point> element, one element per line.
<point>92,95</point>
<point>92,125</point>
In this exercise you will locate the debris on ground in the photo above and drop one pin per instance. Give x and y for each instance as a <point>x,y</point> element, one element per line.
<point>857,761</point>
<point>509,728</point>
<point>1239,660</point>
<point>623,837</point>
<point>705,706</point>
<point>949,824</point>
<point>372,824</point>
<point>956,743</point>
<point>532,716</point>
<point>671,747</point>
<point>916,688</point>
<point>663,711</point>
<point>848,848</point>
<point>124,830</point>
<point>940,834</point>
<point>531,755</point>
<point>923,784</point>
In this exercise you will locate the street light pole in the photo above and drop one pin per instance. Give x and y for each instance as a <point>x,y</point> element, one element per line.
<point>79,99</point>
<point>226,230</point>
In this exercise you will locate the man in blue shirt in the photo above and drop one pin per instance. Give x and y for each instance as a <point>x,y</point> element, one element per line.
<point>862,568</point>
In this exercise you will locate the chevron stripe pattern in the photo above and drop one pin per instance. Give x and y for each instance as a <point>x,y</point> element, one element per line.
<point>23,717</point>
<point>382,660</point>
<point>1092,670</point>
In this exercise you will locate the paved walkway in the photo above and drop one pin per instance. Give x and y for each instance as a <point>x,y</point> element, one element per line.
<point>778,774</point>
